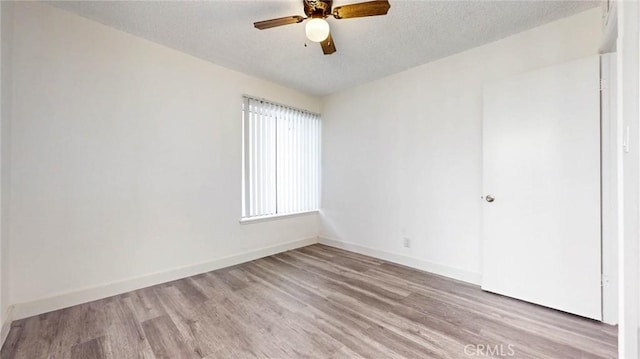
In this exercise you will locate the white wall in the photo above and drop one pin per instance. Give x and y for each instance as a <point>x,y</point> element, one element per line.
<point>5,111</point>
<point>402,155</point>
<point>2,251</point>
<point>628,112</point>
<point>125,160</point>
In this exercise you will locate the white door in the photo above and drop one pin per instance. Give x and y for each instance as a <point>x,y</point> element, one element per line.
<point>541,146</point>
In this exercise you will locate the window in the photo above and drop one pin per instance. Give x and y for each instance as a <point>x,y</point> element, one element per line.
<point>281,159</point>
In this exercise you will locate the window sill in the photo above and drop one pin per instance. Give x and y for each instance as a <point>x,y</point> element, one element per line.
<point>275,217</point>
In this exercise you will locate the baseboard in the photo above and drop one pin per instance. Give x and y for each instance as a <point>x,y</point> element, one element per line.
<point>64,300</point>
<point>436,268</point>
<point>6,325</point>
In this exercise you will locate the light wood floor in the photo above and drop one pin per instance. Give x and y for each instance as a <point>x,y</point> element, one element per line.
<point>315,302</point>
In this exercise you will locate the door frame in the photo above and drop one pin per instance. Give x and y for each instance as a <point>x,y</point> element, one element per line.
<point>610,183</point>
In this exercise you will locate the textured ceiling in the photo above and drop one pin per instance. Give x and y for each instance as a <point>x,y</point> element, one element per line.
<point>413,33</point>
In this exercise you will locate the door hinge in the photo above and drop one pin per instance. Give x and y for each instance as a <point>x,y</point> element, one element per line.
<point>604,84</point>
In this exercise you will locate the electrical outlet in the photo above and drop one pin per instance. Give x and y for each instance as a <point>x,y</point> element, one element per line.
<point>407,242</point>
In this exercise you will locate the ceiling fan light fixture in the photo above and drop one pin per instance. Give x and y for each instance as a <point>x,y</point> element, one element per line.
<point>317,29</point>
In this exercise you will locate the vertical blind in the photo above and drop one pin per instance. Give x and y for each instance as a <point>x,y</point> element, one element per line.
<point>281,159</point>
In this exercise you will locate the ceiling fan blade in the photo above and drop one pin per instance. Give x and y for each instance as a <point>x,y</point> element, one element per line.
<point>328,47</point>
<point>267,24</point>
<point>371,8</point>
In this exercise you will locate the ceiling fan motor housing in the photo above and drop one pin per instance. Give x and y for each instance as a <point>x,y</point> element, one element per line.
<point>317,8</point>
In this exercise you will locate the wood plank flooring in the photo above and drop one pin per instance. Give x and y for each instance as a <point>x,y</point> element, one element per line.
<point>316,302</point>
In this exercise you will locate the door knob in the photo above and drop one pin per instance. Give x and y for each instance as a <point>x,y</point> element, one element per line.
<point>490,198</point>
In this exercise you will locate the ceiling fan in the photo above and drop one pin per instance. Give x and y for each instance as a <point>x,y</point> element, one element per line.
<point>317,28</point>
